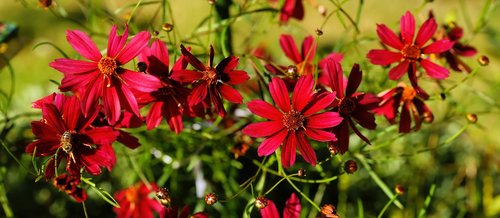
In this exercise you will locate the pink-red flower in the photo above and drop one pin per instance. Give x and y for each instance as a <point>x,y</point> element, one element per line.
<point>291,210</point>
<point>171,212</point>
<point>212,83</point>
<point>136,202</point>
<point>409,50</point>
<point>291,9</point>
<point>170,100</point>
<point>412,107</point>
<point>103,78</point>
<point>65,131</point>
<point>291,123</point>
<point>71,186</point>
<point>454,33</point>
<point>351,105</point>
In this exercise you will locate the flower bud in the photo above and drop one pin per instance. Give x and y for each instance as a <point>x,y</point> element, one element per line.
<point>400,190</point>
<point>319,32</point>
<point>261,202</point>
<point>328,210</point>
<point>163,196</point>
<point>302,172</point>
<point>333,149</point>
<point>472,118</point>
<point>211,198</point>
<point>350,166</point>
<point>322,10</point>
<point>211,2</point>
<point>483,60</point>
<point>167,27</point>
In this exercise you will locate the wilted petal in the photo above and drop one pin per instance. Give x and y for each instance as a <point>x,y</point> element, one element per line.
<point>264,109</point>
<point>383,57</point>
<point>398,71</point>
<point>434,70</point>
<point>464,50</point>
<point>388,37</point>
<point>263,129</point>
<point>438,47</point>
<point>128,140</point>
<point>270,145</point>
<point>83,45</point>
<point>425,32</point>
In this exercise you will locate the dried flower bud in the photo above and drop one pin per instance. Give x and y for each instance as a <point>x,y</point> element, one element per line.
<point>261,202</point>
<point>400,190</point>
<point>291,71</point>
<point>350,166</point>
<point>211,2</point>
<point>428,117</point>
<point>322,10</point>
<point>167,27</point>
<point>472,118</point>
<point>163,196</point>
<point>142,67</point>
<point>319,32</point>
<point>333,149</point>
<point>156,33</point>
<point>328,210</point>
<point>483,60</point>
<point>211,198</point>
<point>302,172</point>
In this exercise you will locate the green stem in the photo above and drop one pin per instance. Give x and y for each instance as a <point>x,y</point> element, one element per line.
<point>275,185</point>
<point>301,193</point>
<point>3,195</point>
<point>15,158</point>
<point>136,168</point>
<point>85,209</point>
<point>387,206</point>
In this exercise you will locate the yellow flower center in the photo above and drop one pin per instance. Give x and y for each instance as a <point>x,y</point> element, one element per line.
<point>409,94</point>
<point>107,66</point>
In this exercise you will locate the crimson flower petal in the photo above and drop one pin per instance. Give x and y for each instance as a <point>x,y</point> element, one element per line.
<point>308,49</point>
<point>438,46</point>
<point>140,82</point>
<point>236,77</point>
<point>116,42</point>
<point>323,120</point>
<point>354,80</point>
<point>78,81</point>
<point>192,59</point>
<point>320,135</point>
<point>134,47</point>
<point>309,156</point>
<point>42,130</point>
<point>186,75</point>
<point>388,37</point>
<point>383,57</point>
<point>83,45</point>
<point>270,145</point>
<point>91,94</point>
<point>279,93</point>
<point>71,113</point>
<point>336,75</point>
<point>425,32</point>
<point>287,43</point>
<point>405,119</point>
<point>69,66</point>
<point>319,102</point>
<point>102,135</point>
<point>230,94</point>
<point>53,117</point>
<point>263,129</point>
<point>288,152</point>
<point>434,70</point>
<point>153,119</point>
<point>264,109</point>
<point>128,140</point>
<point>302,92</point>
<point>292,207</point>
<point>407,27</point>
<point>199,93</point>
<point>111,103</point>
<point>270,211</point>
<point>397,72</point>
<point>44,146</point>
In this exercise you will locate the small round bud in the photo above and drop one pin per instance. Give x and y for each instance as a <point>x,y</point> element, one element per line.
<point>322,10</point>
<point>319,32</point>
<point>45,3</point>
<point>163,196</point>
<point>350,166</point>
<point>483,60</point>
<point>156,33</point>
<point>142,67</point>
<point>211,198</point>
<point>472,118</point>
<point>260,202</point>
<point>211,2</point>
<point>167,27</point>
<point>333,149</point>
<point>428,117</point>
<point>400,190</point>
<point>301,172</point>
<point>328,210</point>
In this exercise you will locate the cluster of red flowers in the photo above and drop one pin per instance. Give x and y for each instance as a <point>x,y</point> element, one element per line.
<point>104,97</point>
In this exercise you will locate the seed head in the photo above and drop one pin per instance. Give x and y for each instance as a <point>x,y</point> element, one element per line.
<point>211,198</point>
<point>163,196</point>
<point>400,190</point>
<point>472,118</point>
<point>167,27</point>
<point>483,60</point>
<point>261,202</point>
<point>350,166</point>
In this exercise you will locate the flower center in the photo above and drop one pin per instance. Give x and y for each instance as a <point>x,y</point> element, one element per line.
<point>347,105</point>
<point>210,75</point>
<point>411,52</point>
<point>107,66</point>
<point>65,142</point>
<point>305,68</point>
<point>409,94</point>
<point>293,120</point>
<point>162,92</point>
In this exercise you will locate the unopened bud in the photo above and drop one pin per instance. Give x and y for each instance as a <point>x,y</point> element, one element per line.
<point>400,190</point>
<point>472,118</point>
<point>163,196</point>
<point>428,117</point>
<point>483,60</point>
<point>333,149</point>
<point>156,33</point>
<point>302,172</point>
<point>261,202</point>
<point>350,166</point>
<point>319,32</point>
<point>211,2</point>
<point>211,198</point>
<point>167,27</point>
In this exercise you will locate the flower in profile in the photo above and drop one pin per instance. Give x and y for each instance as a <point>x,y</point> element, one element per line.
<point>71,186</point>
<point>412,107</point>
<point>291,9</point>
<point>351,105</point>
<point>410,51</point>
<point>291,210</point>
<point>135,202</point>
<point>289,125</point>
<point>64,132</point>
<point>170,100</point>
<point>454,33</point>
<point>103,78</point>
<point>302,61</point>
<point>211,84</point>
<point>172,212</point>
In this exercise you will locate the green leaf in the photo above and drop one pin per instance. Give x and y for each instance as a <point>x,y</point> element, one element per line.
<point>102,193</point>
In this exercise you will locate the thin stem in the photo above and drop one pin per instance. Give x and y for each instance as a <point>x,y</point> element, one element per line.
<point>387,206</point>
<point>303,195</point>
<point>281,180</point>
<point>136,168</point>
<point>85,209</point>
<point>15,158</point>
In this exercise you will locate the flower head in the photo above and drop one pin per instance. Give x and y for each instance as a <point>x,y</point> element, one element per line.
<point>65,131</point>
<point>71,186</point>
<point>290,124</point>
<point>409,50</point>
<point>291,210</point>
<point>351,105</point>
<point>172,212</point>
<point>412,108</point>
<point>454,33</point>
<point>103,78</point>
<point>135,202</point>
<point>292,9</point>
<point>211,84</point>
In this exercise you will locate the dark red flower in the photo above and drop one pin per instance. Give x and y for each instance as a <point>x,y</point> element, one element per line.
<point>212,83</point>
<point>291,210</point>
<point>171,212</point>
<point>454,33</point>
<point>291,124</point>
<point>135,202</point>
<point>64,132</point>
<point>103,78</point>
<point>351,105</point>
<point>170,100</point>
<point>71,186</point>
<point>291,9</point>
<point>410,51</point>
<point>412,106</point>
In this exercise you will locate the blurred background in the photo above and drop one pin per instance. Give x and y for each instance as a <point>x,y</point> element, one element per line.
<point>459,178</point>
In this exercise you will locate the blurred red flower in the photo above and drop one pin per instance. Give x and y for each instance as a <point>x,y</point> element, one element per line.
<point>171,212</point>
<point>103,78</point>
<point>454,33</point>
<point>291,124</point>
<point>70,185</point>
<point>291,210</point>
<point>135,202</point>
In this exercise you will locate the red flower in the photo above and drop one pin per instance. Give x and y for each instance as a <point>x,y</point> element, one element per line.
<point>103,77</point>
<point>412,106</point>
<point>292,9</point>
<point>302,61</point>
<point>65,131</point>
<point>291,210</point>
<point>454,33</point>
<point>410,51</point>
<point>291,124</point>
<point>351,105</point>
<point>70,185</point>
<point>211,83</point>
<point>171,212</point>
<point>135,202</point>
<point>170,100</point>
